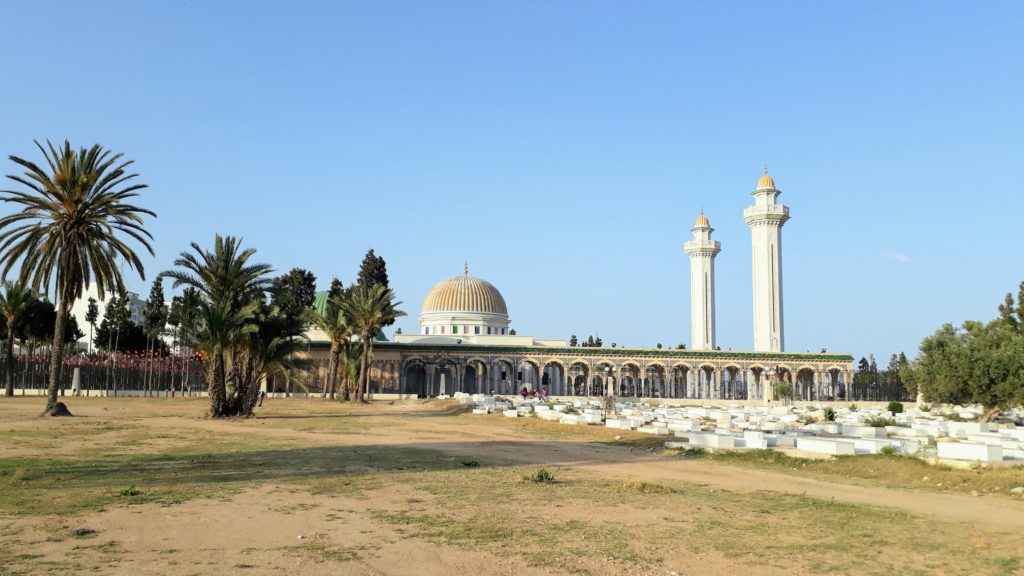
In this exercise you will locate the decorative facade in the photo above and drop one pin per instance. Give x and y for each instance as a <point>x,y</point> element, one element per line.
<point>465,343</point>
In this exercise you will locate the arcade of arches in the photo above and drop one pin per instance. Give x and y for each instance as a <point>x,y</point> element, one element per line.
<point>436,370</point>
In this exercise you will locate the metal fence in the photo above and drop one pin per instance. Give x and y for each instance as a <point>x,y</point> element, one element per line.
<point>110,374</point>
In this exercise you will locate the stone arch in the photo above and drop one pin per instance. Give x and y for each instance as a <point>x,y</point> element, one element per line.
<point>502,379</point>
<point>803,383</point>
<point>630,378</point>
<point>579,373</point>
<point>680,372</point>
<point>656,380</point>
<point>412,360</point>
<point>604,378</point>
<point>553,377</point>
<point>414,378</point>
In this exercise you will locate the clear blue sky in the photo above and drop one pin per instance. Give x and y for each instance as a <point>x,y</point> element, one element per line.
<point>564,148</point>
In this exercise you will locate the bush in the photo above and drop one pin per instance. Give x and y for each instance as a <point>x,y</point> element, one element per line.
<point>888,451</point>
<point>130,491</point>
<point>925,407</point>
<point>895,407</point>
<point>880,422</point>
<point>471,463</point>
<point>830,415</point>
<point>853,407</point>
<point>644,487</point>
<point>541,476</point>
<point>784,391</point>
<point>694,452</point>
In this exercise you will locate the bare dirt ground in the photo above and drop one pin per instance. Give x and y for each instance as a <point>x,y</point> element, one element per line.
<point>148,486</point>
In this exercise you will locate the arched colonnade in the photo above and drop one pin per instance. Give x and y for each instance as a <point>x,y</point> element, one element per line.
<point>425,375</point>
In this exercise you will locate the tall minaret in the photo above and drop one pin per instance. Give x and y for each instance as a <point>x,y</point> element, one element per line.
<point>766,218</point>
<point>702,251</point>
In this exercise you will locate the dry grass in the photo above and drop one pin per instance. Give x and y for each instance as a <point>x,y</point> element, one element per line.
<point>584,523</point>
<point>875,470</point>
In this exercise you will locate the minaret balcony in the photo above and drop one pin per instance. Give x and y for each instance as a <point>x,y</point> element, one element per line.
<point>771,212</point>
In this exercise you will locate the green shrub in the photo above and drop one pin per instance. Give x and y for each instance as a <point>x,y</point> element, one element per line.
<point>541,476</point>
<point>694,452</point>
<point>130,491</point>
<point>888,451</point>
<point>853,407</point>
<point>830,415</point>
<point>925,407</point>
<point>470,463</point>
<point>895,407</point>
<point>880,422</point>
<point>20,476</point>
<point>784,391</point>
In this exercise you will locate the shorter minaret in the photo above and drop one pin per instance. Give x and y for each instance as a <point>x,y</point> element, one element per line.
<point>702,251</point>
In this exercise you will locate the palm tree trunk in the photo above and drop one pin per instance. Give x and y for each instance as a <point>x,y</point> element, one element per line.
<point>364,376</point>
<point>9,365</point>
<point>117,342</point>
<point>53,408</point>
<point>333,362</point>
<point>218,385</point>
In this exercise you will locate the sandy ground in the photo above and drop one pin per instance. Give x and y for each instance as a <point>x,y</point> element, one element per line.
<point>269,529</point>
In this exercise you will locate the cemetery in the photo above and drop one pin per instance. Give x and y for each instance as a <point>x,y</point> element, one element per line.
<point>951,435</point>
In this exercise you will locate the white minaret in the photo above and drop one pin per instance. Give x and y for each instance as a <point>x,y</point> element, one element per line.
<point>766,218</point>
<point>702,251</point>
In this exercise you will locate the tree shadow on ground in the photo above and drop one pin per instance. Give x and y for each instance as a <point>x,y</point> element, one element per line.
<point>29,480</point>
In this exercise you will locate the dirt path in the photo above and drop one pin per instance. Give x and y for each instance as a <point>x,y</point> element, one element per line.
<point>623,462</point>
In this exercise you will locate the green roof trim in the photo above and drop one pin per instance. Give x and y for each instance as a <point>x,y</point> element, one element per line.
<point>320,305</point>
<point>609,352</point>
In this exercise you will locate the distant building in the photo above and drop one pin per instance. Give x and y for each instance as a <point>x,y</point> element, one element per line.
<point>465,343</point>
<point>80,308</point>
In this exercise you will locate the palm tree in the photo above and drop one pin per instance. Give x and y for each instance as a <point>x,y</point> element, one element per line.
<point>369,308</point>
<point>236,332</point>
<point>270,351</point>
<point>335,324</point>
<point>348,365</point>
<point>13,302</point>
<point>69,231</point>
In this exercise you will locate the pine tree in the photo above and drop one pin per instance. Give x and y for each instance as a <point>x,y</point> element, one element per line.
<point>337,289</point>
<point>293,293</point>
<point>154,319</point>
<point>573,341</point>
<point>92,314</point>
<point>373,271</point>
<point>892,371</point>
<point>590,341</point>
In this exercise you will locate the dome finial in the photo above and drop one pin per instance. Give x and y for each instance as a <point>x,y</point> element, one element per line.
<point>766,182</point>
<point>465,268</point>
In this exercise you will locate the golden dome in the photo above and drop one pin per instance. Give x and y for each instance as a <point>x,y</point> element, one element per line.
<point>702,222</point>
<point>766,182</point>
<point>464,294</point>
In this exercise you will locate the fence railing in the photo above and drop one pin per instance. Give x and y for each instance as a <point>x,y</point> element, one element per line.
<point>113,373</point>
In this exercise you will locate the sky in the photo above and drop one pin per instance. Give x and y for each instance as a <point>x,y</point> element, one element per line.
<point>563,149</point>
